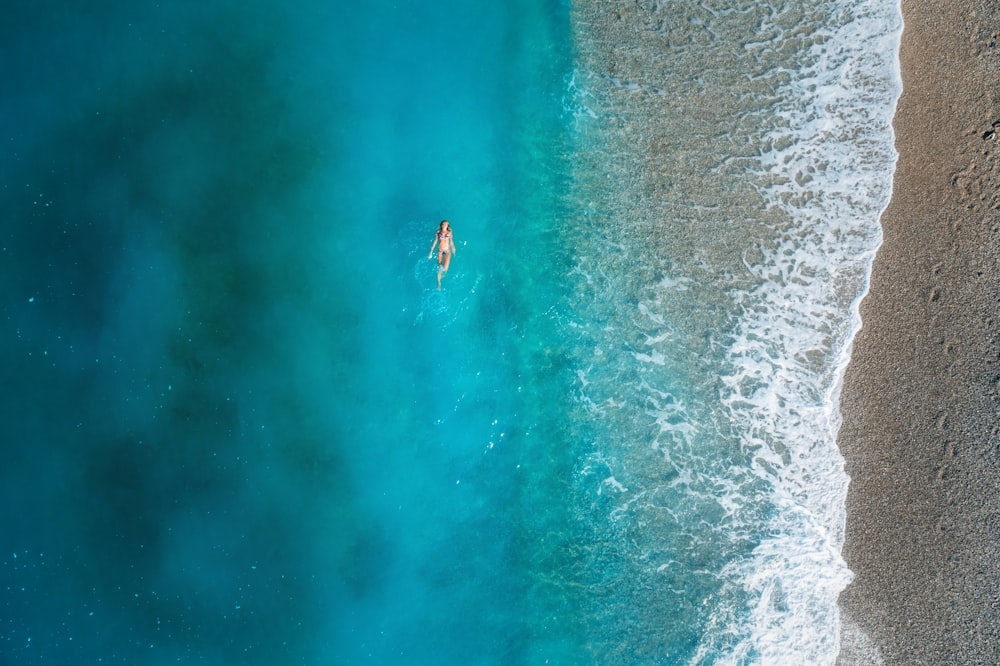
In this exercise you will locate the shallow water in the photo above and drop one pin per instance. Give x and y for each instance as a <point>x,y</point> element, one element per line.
<point>244,426</point>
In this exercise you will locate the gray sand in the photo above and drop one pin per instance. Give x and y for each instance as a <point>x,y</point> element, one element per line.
<point>921,431</point>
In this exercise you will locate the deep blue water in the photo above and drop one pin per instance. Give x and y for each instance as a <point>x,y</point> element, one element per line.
<point>240,424</point>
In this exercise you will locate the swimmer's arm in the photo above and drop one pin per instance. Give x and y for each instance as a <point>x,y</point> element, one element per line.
<point>431,253</point>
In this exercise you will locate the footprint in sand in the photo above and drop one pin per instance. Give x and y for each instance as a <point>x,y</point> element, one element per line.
<point>944,469</point>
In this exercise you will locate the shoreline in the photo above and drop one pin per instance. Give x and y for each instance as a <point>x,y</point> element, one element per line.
<point>921,393</point>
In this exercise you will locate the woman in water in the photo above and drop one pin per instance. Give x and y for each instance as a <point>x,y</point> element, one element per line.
<point>446,248</point>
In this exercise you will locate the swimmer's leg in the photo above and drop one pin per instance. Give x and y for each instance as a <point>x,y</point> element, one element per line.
<point>444,260</point>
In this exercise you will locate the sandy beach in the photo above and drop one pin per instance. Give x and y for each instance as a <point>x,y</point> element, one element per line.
<point>921,430</point>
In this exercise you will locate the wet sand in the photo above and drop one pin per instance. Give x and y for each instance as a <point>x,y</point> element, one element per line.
<point>921,404</point>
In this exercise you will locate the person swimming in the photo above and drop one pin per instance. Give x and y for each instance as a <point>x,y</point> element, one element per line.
<point>445,244</point>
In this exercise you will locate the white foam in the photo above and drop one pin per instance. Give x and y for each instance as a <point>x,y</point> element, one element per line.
<point>790,350</point>
<point>713,391</point>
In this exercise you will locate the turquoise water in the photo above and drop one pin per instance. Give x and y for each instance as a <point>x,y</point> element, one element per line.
<point>251,430</point>
<point>242,424</point>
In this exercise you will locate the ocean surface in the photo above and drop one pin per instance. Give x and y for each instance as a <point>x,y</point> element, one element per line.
<point>241,425</point>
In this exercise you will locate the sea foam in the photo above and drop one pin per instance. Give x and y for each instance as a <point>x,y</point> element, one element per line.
<point>740,156</point>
